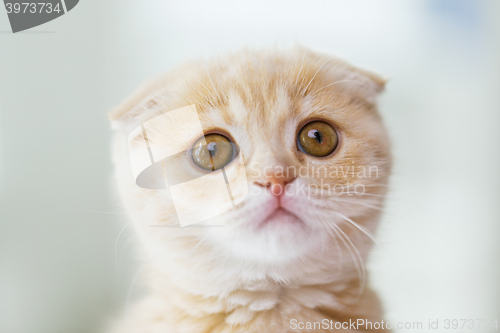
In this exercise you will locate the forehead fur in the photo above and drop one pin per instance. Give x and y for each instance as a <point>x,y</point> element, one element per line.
<point>262,82</point>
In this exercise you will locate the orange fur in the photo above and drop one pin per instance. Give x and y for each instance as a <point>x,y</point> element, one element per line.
<point>214,280</point>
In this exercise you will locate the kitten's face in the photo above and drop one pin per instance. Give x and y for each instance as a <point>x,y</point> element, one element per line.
<point>315,151</point>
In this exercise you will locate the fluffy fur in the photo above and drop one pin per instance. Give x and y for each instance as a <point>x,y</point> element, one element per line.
<point>259,272</point>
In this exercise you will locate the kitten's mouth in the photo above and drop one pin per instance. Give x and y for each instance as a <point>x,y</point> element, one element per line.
<point>281,216</point>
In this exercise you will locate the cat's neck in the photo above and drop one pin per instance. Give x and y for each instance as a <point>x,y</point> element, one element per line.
<point>276,302</point>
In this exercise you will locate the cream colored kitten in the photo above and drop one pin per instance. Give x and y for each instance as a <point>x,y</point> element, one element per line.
<point>283,258</point>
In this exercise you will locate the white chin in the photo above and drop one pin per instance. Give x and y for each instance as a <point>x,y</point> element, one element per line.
<point>278,238</point>
<point>280,217</point>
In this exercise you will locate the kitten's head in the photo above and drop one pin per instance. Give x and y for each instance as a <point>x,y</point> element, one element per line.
<point>316,159</point>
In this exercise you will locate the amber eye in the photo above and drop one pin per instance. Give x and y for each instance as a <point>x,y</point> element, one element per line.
<point>318,139</point>
<point>215,154</point>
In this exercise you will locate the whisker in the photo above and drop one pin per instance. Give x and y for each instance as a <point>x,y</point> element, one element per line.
<point>116,245</point>
<point>366,232</point>
<point>331,84</point>
<point>360,261</point>
<point>208,99</point>
<point>208,74</point>
<point>300,69</point>
<point>357,259</point>
<point>337,245</point>
<point>220,84</point>
<point>317,73</point>
<point>358,202</point>
<point>209,91</point>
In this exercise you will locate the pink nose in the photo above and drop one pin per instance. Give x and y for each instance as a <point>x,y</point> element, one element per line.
<point>275,184</point>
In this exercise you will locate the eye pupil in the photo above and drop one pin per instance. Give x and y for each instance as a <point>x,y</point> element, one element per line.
<point>211,148</point>
<point>315,134</point>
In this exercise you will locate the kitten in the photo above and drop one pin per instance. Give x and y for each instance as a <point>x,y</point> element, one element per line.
<point>291,252</point>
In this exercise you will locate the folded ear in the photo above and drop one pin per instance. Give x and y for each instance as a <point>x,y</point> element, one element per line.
<point>373,85</point>
<point>143,103</point>
<point>359,83</point>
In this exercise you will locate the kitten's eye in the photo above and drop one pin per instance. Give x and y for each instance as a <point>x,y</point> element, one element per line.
<point>318,139</point>
<point>216,154</point>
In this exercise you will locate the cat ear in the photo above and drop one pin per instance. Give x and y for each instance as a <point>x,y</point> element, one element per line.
<point>376,85</point>
<point>357,82</point>
<point>143,104</point>
<point>364,84</point>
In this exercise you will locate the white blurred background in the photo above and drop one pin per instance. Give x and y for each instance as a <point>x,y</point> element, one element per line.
<point>62,268</point>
